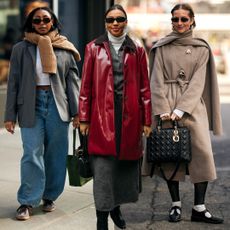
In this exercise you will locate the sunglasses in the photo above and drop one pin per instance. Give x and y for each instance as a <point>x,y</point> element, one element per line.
<point>182,19</point>
<point>118,19</point>
<point>37,21</point>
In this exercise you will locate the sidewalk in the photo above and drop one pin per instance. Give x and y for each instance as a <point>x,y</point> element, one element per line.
<point>75,207</point>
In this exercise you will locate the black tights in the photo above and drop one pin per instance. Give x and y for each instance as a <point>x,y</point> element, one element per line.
<point>173,187</point>
<point>199,191</point>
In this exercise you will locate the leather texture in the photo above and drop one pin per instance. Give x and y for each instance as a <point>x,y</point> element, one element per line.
<point>78,165</point>
<point>84,166</point>
<point>169,145</point>
<point>96,101</point>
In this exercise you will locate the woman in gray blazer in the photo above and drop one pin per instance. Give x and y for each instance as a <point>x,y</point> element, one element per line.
<point>42,94</point>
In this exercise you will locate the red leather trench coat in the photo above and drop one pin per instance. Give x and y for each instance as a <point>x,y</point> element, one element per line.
<point>96,102</point>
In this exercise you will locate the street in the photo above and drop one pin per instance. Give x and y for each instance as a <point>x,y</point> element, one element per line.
<point>75,207</point>
<point>151,211</point>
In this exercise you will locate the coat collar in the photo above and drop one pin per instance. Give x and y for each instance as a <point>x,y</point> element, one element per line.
<point>128,43</point>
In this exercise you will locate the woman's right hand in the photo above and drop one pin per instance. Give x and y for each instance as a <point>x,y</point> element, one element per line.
<point>9,126</point>
<point>165,116</point>
<point>147,130</point>
<point>84,128</point>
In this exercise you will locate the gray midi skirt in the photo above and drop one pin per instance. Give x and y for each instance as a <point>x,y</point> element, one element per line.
<point>114,182</point>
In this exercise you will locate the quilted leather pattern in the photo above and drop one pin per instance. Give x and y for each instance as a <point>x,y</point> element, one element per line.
<point>162,147</point>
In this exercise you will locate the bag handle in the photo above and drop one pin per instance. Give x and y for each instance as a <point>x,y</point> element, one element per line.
<point>84,143</point>
<point>176,137</point>
<point>160,121</point>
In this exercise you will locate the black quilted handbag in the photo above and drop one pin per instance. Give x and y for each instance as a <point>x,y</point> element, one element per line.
<point>169,145</point>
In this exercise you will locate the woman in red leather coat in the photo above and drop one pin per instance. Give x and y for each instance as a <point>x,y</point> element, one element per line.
<point>115,109</point>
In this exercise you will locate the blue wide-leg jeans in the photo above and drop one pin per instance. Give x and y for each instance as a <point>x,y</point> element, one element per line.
<point>45,147</point>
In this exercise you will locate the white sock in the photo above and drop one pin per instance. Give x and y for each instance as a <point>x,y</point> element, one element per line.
<point>201,208</point>
<point>176,203</point>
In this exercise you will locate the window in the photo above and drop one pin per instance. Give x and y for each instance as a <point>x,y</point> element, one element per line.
<point>9,33</point>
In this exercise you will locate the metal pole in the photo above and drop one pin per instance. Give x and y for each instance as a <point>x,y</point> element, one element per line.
<point>108,3</point>
<point>55,7</point>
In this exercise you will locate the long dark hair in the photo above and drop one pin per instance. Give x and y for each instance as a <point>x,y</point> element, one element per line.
<point>185,6</point>
<point>28,23</point>
<point>116,7</point>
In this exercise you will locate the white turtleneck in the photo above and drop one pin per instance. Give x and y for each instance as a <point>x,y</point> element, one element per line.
<point>116,41</point>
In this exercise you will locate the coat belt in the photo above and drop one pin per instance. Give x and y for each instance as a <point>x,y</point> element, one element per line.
<point>178,81</point>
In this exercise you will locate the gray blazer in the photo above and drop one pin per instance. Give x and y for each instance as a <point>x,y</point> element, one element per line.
<point>21,89</point>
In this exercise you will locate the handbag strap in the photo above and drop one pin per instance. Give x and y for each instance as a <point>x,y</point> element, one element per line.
<point>74,141</point>
<point>173,174</point>
<point>163,173</point>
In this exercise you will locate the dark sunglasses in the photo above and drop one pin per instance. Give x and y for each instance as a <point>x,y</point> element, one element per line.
<point>37,21</point>
<point>182,19</point>
<point>118,19</point>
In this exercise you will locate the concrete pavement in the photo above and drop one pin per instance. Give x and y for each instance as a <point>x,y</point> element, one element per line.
<point>75,207</point>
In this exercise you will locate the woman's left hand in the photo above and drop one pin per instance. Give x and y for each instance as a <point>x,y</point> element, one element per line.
<point>175,117</point>
<point>147,130</point>
<point>76,122</point>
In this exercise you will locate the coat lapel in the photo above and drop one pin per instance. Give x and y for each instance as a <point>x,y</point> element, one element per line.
<point>32,51</point>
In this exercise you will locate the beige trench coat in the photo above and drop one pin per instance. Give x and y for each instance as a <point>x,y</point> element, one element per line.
<point>184,93</point>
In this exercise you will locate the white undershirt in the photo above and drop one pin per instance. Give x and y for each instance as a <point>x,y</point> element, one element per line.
<point>116,41</point>
<point>178,112</point>
<point>41,78</point>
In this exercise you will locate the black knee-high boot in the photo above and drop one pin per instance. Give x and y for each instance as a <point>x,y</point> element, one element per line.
<point>117,218</point>
<point>102,220</point>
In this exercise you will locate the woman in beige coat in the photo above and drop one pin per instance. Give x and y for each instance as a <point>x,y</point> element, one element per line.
<point>184,88</point>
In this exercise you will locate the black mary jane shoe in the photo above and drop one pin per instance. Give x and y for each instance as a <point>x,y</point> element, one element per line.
<point>174,214</point>
<point>201,217</point>
<point>117,218</point>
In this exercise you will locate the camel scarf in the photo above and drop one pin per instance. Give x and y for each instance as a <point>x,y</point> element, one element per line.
<point>45,45</point>
<point>211,91</point>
